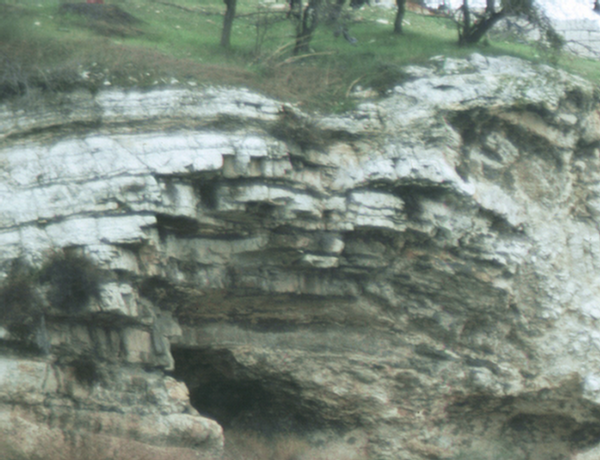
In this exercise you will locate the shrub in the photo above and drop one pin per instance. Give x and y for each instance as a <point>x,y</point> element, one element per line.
<point>86,370</point>
<point>21,311</point>
<point>73,281</point>
<point>20,305</point>
<point>18,296</point>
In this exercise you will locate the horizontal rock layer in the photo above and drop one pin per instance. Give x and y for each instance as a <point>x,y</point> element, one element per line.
<point>418,274</point>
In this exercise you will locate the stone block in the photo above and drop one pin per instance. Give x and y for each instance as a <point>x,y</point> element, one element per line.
<point>317,261</point>
<point>591,127</point>
<point>577,35</point>
<point>137,344</point>
<point>25,381</point>
<point>119,299</point>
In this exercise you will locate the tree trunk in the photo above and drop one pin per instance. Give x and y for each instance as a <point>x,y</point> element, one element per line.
<point>306,28</point>
<point>478,30</point>
<point>399,16</point>
<point>228,23</point>
<point>466,27</point>
<point>335,12</point>
<point>295,9</point>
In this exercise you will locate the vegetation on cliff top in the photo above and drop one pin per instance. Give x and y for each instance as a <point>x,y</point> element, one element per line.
<point>53,46</point>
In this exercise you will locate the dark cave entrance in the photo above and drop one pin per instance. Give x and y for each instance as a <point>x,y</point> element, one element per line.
<point>536,426</point>
<point>243,398</point>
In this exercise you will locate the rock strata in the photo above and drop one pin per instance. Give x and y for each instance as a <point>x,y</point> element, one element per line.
<point>415,279</point>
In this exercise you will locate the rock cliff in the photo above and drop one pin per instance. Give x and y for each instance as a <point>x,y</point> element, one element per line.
<point>415,279</point>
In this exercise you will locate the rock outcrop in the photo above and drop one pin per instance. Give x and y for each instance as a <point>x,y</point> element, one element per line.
<point>416,279</point>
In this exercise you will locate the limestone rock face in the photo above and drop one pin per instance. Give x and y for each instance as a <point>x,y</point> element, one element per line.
<point>415,279</point>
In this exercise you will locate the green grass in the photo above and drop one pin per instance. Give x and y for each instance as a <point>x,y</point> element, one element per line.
<point>179,39</point>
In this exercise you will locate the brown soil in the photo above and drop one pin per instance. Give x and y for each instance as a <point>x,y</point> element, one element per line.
<point>99,12</point>
<point>104,19</point>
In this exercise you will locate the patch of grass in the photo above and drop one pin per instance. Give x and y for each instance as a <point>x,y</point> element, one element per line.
<point>178,41</point>
<point>497,451</point>
<point>52,444</point>
<point>108,20</point>
<point>246,445</point>
<point>10,451</point>
<point>292,127</point>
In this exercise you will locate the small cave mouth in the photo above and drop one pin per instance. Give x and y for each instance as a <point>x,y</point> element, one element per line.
<point>534,427</point>
<point>240,398</point>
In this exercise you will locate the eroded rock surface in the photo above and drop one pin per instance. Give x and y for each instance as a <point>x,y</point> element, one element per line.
<point>417,278</point>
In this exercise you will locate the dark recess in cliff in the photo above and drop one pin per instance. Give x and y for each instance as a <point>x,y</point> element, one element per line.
<point>242,398</point>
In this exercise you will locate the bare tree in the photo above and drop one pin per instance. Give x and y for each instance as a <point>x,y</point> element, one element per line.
<point>230,6</point>
<point>471,31</point>
<point>472,26</point>
<point>401,4</point>
<point>308,19</point>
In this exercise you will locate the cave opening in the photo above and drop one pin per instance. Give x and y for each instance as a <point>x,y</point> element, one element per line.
<point>539,426</point>
<point>244,398</point>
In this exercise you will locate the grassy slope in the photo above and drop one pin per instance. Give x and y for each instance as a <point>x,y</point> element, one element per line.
<point>178,39</point>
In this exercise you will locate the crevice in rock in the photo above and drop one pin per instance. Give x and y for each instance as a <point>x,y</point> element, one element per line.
<point>55,131</point>
<point>207,189</point>
<point>231,123</point>
<point>178,225</point>
<point>469,123</point>
<point>578,99</point>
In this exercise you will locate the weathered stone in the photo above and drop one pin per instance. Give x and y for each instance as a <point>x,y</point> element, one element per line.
<point>418,275</point>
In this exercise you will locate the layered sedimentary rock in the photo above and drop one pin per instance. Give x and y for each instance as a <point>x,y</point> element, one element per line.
<point>414,279</point>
